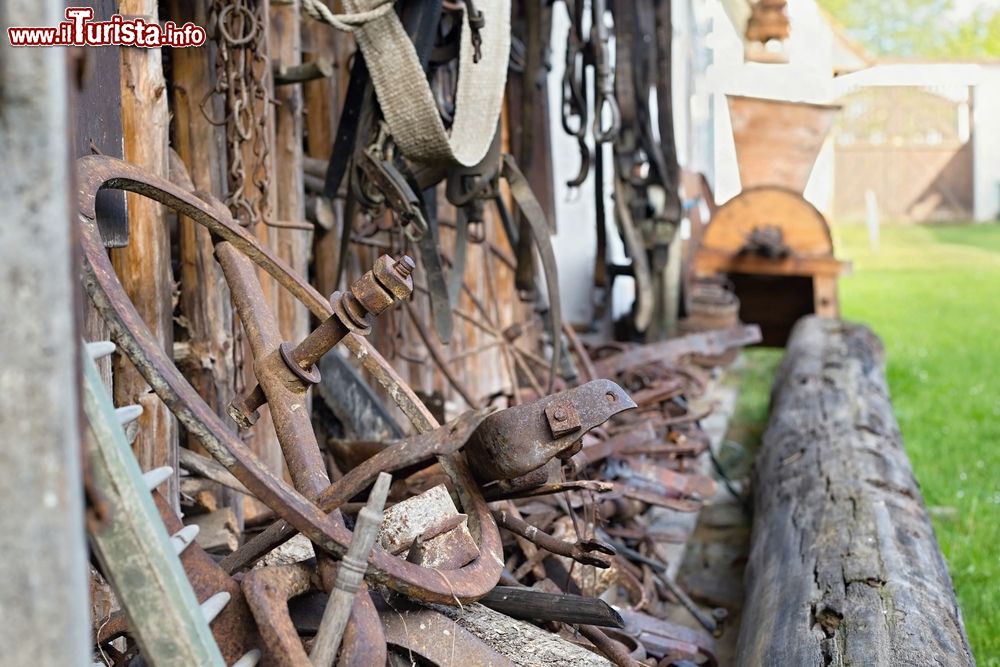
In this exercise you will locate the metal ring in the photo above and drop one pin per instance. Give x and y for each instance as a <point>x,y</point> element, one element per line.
<point>310,376</point>
<point>224,29</point>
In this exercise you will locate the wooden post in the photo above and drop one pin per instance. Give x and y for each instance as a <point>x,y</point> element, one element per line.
<point>250,93</point>
<point>208,358</point>
<point>844,568</point>
<point>43,593</point>
<point>97,128</point>
<point>323,99</point>
<point>292,245</point>
<point>143,266</point>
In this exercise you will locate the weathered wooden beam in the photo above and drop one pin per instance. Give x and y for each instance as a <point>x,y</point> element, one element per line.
<point>43,593</point>
<point>520,642</point>
<point>205,306</point>
<point>323,99</point>
<point>844,568</point>
<point>143,265</point>
<point>291,245</point>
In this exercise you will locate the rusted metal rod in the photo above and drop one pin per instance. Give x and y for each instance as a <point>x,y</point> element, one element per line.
<point>353,311</point>
<point>588,552</point>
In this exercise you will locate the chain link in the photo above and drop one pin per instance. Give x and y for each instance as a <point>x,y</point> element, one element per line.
<point>241,80</point>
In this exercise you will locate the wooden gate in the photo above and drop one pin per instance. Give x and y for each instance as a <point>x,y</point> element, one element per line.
<point>911,147</point>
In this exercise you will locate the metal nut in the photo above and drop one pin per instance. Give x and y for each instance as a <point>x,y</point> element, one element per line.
<point>394,275</point>
<point>375,298</point>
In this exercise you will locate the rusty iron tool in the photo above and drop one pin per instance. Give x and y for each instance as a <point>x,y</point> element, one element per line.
<point>285,391</point>
<point>402,454</point>
<point>656,496</point>
<point>234,629</point>
<point>283,382</point>
<point>661,638</point>
<point>267,592</point>
<point>534,605</point>
<point>350,573</point>
<point>353,312</point>
<point>134,339</point>
<point>660,569</point>
<point>640,434</point>
<point>526,437</point>
<point>687,484</point>
<point>656,479</point>
<point>494,494</point>
<point>613,649</point>
<point>587,552</point>
<point>669,351</point>
<point>600,400</point>
<point>99,172</point>
<point>134,549</point>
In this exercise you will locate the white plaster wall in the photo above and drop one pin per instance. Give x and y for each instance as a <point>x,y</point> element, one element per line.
<point>986,144</point>
<point>807,77</point>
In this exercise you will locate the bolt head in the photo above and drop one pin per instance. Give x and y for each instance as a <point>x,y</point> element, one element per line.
<point>563,418</point>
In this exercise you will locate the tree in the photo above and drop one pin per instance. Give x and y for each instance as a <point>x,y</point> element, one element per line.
<point>918,28</point>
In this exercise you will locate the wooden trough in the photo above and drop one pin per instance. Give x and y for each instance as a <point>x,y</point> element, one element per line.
<point>844,568</point>
<point>772,244</point>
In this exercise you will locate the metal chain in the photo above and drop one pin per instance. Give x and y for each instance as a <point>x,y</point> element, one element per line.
<point>237,27</point>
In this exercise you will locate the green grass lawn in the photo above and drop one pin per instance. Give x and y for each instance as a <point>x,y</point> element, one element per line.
<point>933,294</point>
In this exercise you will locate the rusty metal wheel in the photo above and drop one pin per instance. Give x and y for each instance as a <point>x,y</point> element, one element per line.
<point>327,531</point>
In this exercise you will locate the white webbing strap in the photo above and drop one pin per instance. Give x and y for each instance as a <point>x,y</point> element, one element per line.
<point>405,95</point>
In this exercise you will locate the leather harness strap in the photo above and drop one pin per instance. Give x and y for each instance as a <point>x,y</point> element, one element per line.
<point>405,95</point>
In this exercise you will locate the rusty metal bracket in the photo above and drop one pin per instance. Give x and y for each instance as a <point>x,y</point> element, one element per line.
<point>521,439</point>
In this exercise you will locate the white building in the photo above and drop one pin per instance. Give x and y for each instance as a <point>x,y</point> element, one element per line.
<point>709,64</point>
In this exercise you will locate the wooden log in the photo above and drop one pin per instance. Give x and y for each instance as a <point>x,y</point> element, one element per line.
<point>844,568</point>
<point>520,642</point>
<point>205,306</point>
<point>143,266</point>
<point>291,245</point>
<point>323,99</point>
<point>219,531</point>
